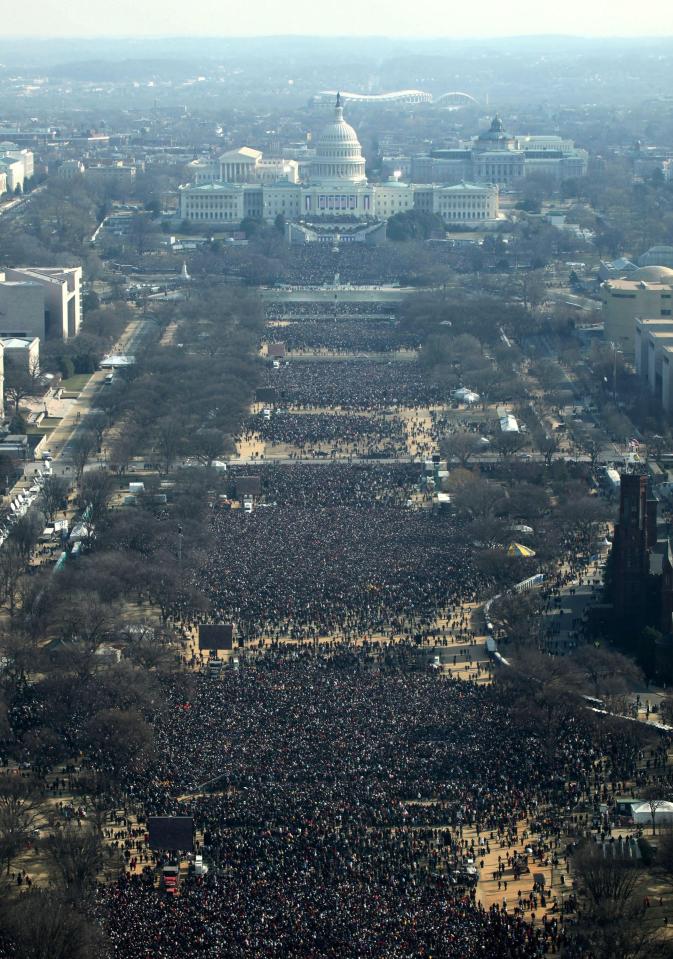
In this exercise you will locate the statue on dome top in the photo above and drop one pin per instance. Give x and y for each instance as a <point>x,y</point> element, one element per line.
<point>338,100</point>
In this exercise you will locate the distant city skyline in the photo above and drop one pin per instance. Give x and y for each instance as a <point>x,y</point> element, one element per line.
<point>126,18</point>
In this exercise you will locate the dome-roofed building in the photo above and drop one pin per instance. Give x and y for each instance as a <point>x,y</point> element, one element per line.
<point>337,180</point>
<point>335,190</point>
<point>495,138</point>
<point>338,156</point>
<point>652,274</point>
<point>643,294</point>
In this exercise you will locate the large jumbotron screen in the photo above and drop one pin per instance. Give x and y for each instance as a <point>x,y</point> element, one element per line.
<point>172,833</point>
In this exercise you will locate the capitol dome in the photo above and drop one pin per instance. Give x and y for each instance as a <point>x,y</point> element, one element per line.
<point>652,274</point>
<point>338,152</point>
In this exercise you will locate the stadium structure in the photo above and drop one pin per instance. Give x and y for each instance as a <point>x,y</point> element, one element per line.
<point>398,96</point>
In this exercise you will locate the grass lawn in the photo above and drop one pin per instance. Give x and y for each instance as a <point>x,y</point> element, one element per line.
<point>44,427</point>
<point>76,383</point>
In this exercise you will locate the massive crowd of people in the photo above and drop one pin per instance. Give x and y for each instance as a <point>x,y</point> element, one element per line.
<point>330,309</point>
<point>324,333</point>
<point>356,434</point>
<point>308,570</point>
<point>338,326</point>
<point>355,384</point>
<point>328,484</point>
<point>331,790</point>
<point>343,793</point>
<point>315,264</point>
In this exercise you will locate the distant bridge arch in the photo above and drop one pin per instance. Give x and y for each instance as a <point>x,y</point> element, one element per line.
<point>456,94</point>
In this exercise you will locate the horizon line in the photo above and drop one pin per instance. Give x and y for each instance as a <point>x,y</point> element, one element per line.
<point>630,37</point>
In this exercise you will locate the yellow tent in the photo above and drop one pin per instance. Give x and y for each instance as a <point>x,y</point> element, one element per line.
<point>516,549</point>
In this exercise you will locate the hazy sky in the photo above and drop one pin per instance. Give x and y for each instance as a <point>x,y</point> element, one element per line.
<point>401,18</point>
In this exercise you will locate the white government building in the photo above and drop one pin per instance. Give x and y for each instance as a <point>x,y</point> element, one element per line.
<point>242,183</point>
<point>16,166</point>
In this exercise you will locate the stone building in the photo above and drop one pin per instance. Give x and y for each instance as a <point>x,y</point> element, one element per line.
<point>41,302</point>
<point>496,156</point>
<point>243,183</point>
<point>645,292</point>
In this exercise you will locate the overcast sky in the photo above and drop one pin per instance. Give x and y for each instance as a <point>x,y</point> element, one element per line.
<point>401,18</point>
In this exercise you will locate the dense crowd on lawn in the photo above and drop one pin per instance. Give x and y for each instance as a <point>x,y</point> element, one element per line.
<point>316,264</point>
<point>329,309</point>
<point>357,384</point>
<point>338,327</point>
<point>338,788</point>
<point>306,569</point>
<point>359,435</point>
<point>332,786</point>
<point>345,336</point>
<point>367,486</point>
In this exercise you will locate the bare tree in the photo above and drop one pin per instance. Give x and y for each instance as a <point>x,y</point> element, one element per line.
<point>517,616</point>
<point>121,738</point>
<point>604,932</point>
<point>84,618</point>
<point>19,813</point>
<point>76,854</point>
<point>21,383</point>
<point>611,922</point>
<point>123,448</point>
<point>54,491</point>
<point>20,652</point>
<point>26,533</point>
<point>606,672</point>
<point>478,497</point>
<point>168,440</point>
<point>96,488</point>
<point>509,443</point>
<point>604,878</point>
<point>40,924</point>
<point>82,446</point>
<point>112,401</point>
<point>12,568</point>
<point>652,796</point>
<point>207,444</point>
<point>461,445</point>
<point>548,446</point>
<point>42,747</point>
<point>97,423</point>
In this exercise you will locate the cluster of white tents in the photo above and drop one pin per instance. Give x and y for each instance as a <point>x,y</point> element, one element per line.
<point>19,506</point>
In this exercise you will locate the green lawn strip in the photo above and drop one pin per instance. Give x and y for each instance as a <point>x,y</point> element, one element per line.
<point>76,383</point>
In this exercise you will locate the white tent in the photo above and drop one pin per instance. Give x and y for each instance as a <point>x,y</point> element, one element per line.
<point>463,395</point>
<point>642,814</point>
<point>79,532</point>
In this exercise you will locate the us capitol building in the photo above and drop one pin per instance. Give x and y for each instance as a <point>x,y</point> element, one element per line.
<point>331,187</point>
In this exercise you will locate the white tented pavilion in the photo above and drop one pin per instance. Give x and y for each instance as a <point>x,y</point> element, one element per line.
<point>663,815</point>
